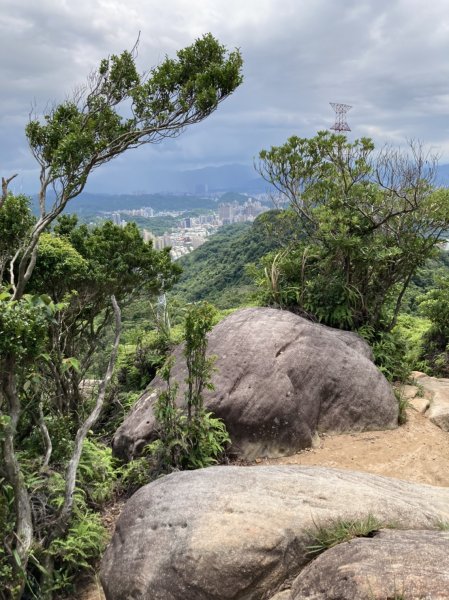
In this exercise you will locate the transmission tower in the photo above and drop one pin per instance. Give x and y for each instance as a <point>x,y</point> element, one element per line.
<point>340,117</point>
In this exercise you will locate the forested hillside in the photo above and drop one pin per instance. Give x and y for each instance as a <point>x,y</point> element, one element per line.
<point>217,270</point>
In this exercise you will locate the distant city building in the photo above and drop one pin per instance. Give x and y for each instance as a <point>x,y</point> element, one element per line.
<point>148,236</point>
<point>226,212</point>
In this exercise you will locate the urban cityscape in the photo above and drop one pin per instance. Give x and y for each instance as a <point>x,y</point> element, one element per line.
<point>191,232</point>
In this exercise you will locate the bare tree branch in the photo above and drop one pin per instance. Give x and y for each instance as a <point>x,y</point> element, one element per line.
<point>5,184</point>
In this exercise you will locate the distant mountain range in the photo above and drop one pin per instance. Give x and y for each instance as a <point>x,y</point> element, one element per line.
<point>233,178</point>
<point>189,190</point>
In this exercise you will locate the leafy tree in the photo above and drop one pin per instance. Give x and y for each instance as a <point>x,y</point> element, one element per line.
<point>365,222</point>
<point>116,110</point>
<point>81,269</point>
<point>88,130</point>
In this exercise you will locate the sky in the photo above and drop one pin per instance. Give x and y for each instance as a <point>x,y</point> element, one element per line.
<point>386,58</point>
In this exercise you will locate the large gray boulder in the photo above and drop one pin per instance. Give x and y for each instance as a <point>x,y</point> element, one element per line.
<point>279,380</point>
<point>244,532</point>
<point>393,564</point>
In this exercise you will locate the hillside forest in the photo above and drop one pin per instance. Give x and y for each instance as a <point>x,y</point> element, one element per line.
<point>90,314</point>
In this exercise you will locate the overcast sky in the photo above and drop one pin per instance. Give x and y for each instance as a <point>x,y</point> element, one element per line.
<point>386,58</point>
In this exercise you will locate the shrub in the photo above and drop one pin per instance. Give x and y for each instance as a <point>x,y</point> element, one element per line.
<point>403,404</point>
<point>97,473</point>
<point>435,306</point>
<point>191,438</point>
<point>79,549</point>
<point>390,352</point>
<point>6,533</point>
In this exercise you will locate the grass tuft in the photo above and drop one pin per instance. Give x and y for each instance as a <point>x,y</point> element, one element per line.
<point>328,536</point>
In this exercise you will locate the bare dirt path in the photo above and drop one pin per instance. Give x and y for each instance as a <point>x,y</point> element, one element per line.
<point>417,451</point>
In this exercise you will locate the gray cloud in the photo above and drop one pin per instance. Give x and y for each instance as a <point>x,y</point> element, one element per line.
<point>386,58</point>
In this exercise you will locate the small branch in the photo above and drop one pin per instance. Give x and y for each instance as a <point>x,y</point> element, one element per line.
<point>397,307</point>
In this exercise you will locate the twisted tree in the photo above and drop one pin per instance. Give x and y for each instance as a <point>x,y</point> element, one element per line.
<point>117,109</point>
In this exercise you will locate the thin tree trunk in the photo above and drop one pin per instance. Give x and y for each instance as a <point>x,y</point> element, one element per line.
<point>82,432</point>
<point>22,507</point>
<point>47,438</point>
<point>399,302</point>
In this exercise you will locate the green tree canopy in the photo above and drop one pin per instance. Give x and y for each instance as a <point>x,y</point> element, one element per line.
<point>119,109</point>
<point>365,223</point>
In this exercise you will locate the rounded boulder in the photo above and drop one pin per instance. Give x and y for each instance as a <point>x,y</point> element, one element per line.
<point>279,380</point>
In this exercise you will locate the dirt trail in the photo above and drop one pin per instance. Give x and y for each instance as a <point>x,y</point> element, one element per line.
<point>417,451</point>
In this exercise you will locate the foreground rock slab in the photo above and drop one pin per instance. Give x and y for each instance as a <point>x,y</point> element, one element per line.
<point>279,380</point>
<point>393,564</point>
<point>244,532</point>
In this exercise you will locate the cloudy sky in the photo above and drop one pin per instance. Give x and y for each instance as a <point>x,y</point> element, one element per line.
<point>387,58</point>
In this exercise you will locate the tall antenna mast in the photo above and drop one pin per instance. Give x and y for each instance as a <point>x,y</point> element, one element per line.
<point>340,117</point>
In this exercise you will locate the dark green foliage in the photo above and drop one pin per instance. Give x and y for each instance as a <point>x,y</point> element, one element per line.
<point>425,279</point>
<point>82,545</point>
<point>77,135</point>
<point>365,224</point>
<point>138,365</point>
<point>192,438</point>
<point>134,475</point>
<point>7,522</point>
<point>390,352</point>
<point>82,267</point>
<point>23,325</point>
<point>85,539</point>
<point>48,342</point>
<point>16,221</point>
<point>60,268</point>
<point>403,404</point>
<point>97,473</point>
<point>216,271</point>
<point>118,261</point>
<point>435,306</point>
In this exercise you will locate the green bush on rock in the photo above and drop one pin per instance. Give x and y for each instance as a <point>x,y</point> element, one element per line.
<point>192,438</point>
